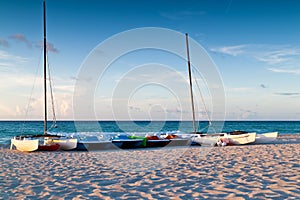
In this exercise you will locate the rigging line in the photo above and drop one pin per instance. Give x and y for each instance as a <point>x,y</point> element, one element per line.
<point>202,99</point>
<point>31,92</point>
<point>52,98</point>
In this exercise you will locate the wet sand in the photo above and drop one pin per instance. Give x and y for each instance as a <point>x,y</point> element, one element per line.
<point>267,171</point>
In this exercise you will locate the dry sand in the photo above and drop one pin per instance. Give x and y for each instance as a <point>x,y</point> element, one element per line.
<point>269,171</point>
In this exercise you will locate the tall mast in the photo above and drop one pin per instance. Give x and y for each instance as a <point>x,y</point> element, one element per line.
<point>190,79</point>
<point>45,70</point>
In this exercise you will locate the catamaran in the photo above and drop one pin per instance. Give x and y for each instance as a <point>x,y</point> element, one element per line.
<point>44,142</point>
<point>213,139</point>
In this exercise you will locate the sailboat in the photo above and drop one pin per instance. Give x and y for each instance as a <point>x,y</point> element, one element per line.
<point>43,142</point>
<point>217,138</point>
<point>265,138</point>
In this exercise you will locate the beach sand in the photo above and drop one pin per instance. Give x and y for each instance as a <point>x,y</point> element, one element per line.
<point>268,171</point>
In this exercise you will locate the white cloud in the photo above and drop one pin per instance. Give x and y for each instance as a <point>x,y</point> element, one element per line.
<point>269,54</point>
<point>6,64</point>
<point>287,71</point>
<point>18,88</point>
<point>13,82</point>
<point>277,56</point>
<point>9,60</point>
<point>230,50</point>
<point>6,56</point>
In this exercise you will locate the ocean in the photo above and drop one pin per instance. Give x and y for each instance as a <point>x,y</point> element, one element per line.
<point>8,129</point>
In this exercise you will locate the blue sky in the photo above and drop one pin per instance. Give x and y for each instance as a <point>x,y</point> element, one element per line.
<point>254,44</point>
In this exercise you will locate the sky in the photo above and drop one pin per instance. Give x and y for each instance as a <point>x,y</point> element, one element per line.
<point>255,46</point>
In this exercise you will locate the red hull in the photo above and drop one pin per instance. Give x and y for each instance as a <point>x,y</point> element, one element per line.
<point>52,147</point>
<point>154,141</point>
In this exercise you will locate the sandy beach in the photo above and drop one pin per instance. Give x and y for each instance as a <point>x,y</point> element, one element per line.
<point>268,171</point>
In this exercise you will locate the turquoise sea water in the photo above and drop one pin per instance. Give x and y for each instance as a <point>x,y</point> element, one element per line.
<point>8,129</point>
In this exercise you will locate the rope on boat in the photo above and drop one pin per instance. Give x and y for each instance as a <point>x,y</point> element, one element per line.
<point>203,102</point>
<point>52,100</point>
<point>31,92</point>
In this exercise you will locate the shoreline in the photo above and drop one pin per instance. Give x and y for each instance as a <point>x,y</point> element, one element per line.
<point>281,138</point>
<point>232,172</point>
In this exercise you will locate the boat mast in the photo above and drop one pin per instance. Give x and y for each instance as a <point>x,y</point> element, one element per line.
<point>190,79</point>
<point>45,70</point>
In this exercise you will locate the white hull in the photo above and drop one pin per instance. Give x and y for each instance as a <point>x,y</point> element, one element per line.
<point>266,138</point>
<point>206,140</point>
<point>245,138</point>
<point>25,145</point>
<point>66,143</point>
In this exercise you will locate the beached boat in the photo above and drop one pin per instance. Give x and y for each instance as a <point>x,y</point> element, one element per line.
<point>266,138</point>
<point>177,140</point>
<point>44,143</point>
<point>93,143</point>
<point>191,138</point>
<point>224,139</point>
<point>155,141</point>
<point>206,139</point>
<point>25,144</point>
<point>240,138</point>
<point>236,137</point>
<point>127,142</point>
<point>199,138</point>
<point>65,142</point>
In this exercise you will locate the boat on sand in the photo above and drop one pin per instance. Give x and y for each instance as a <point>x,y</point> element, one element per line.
<point>93,143</point>
<point>25,144</point>
<point>156,141</point>
<point>45,141</point>
<point>238,138</point>
<point>232,138</point>
<point>127,142</point>
<point>177,140</point>
<point>266,138</point>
